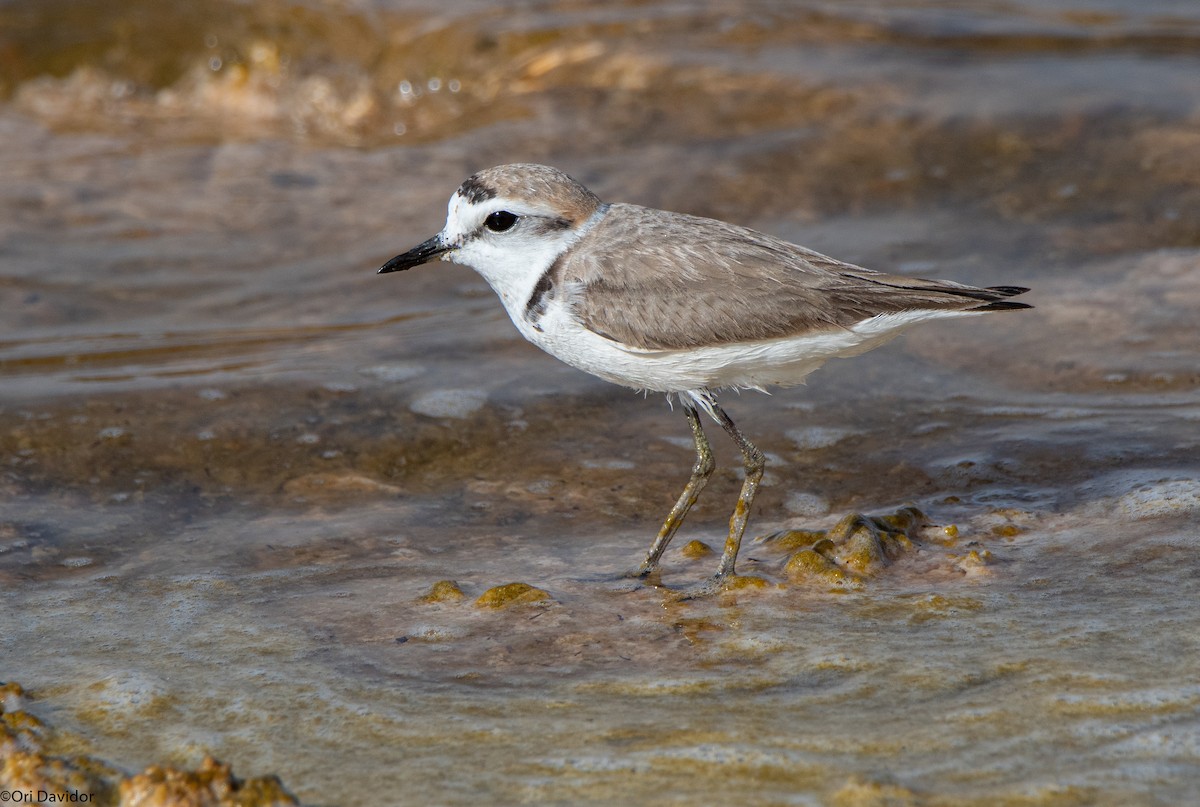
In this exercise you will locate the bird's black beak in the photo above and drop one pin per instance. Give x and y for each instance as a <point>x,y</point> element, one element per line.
<point>422,253</point>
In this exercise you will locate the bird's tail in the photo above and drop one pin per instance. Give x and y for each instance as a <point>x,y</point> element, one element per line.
<point>998,303</point>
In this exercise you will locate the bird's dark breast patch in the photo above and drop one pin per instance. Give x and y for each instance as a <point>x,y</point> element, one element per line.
<point>539,298</point>
<point>475,191</point>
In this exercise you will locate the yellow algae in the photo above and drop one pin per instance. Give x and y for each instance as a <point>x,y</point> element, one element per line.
<point>825,547</point>
<point>21,721</point>
<point>443,591</point>
<point>791,540</point>
<point>862,552</point>
<point>766,772</point>
<point>691,628</point>
<point>895,543</point>
<point>32,771</point>
<point>27,766</point>
<point>638,738</point>
<point>1006,531</point>
<point>856,548</point>
<point>117,699</point>
<point>946,535</point>
<point>975,562</point>
<point>694,550</point>
<point>212,783</point>
<point>1100,704</point>
<point>10,689</point>
<point>510,594</point>
<point>940,606</point>
<point>846,527</point>
<point>861,793</point>
<point>858,793</point>
<point>740,582</point>
<point>903,520</point>
<point>337,484</point>
<point>18,728</point>
<point>654,687</point>
<point>807,565</point>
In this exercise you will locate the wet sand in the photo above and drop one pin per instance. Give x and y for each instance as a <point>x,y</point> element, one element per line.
<point>237,464</point>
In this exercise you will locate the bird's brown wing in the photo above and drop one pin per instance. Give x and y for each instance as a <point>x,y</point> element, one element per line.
<point>667,281</point>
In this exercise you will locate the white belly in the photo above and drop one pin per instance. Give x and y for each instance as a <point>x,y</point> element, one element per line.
<point>748,365</point>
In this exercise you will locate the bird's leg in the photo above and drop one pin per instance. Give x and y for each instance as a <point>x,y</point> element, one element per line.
<point>755,462</point>
<point>700,474</point>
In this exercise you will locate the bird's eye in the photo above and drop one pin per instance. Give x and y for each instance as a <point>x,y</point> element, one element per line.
<point>500,221</point>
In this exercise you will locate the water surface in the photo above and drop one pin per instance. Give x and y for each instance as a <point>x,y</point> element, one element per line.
<point>235,460</point>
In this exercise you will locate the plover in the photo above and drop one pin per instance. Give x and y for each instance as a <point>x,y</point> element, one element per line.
<point>677,304</point>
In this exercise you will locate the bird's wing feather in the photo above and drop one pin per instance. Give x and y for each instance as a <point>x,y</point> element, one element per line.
<point>658,281</point>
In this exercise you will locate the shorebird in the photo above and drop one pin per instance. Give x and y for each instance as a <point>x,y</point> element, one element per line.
<point>678,304</point>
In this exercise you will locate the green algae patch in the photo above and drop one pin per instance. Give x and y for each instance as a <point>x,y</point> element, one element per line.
<point>696,550</point>
<point>511,594</point>
<point>443,591</point>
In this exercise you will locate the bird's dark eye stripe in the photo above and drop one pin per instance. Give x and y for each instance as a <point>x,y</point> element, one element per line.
<point>500,221</point>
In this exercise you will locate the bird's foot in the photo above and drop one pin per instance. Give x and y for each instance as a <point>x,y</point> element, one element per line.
<point>644,572</point>
<point>719,584</point>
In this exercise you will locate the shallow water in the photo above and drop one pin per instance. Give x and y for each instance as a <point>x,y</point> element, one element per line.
<point>235,460</point>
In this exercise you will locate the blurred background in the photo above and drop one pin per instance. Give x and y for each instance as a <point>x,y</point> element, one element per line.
<point>233,458</point>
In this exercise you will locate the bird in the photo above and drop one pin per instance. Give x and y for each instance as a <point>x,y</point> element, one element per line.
<point>678,304</point>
